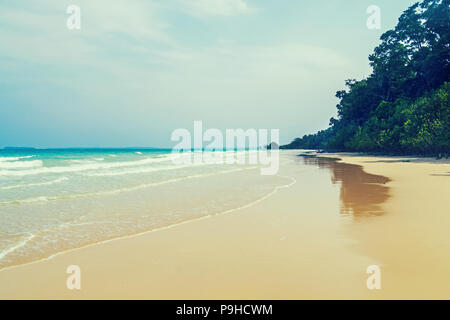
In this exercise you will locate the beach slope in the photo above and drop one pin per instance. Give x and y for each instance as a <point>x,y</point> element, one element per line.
<point>311,239</point>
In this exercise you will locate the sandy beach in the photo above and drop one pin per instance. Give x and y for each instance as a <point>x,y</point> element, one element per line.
<point>311,238</point>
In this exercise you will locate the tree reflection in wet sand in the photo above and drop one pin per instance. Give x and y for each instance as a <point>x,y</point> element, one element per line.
<point>361,193</point>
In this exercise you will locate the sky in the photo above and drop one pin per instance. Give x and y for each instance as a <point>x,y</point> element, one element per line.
<point>137,70</point>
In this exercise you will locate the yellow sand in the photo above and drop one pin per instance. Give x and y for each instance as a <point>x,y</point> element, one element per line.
<point>295,244</point>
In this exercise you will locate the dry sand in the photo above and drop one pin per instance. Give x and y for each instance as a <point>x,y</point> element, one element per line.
<point>311,240</point>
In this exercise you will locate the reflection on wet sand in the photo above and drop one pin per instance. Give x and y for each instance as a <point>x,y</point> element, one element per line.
<point>361,193</point>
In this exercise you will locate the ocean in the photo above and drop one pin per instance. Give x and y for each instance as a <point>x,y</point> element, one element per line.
<point>55,200</point>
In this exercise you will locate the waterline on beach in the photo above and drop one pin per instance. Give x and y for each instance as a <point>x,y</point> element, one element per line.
<point>80,198</point>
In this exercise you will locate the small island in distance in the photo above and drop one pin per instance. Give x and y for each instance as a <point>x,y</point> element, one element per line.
<point>403,107</point>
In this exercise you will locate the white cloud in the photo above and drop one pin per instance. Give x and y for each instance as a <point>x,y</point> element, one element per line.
<point>127,62</point>
<point>293,59</point>
<point>38,34</point>
<point>216,7</point>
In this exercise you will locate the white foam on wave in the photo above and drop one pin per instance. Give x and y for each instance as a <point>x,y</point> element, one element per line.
<point>86,161</point>
<point>16,246</point>
<point>76,161</point>
<point>20,164</point>
<point>120,190</point>
<point>135,171</point>
<point>28,200</point>
<point>14,158</point>
<point>84,166</point>
<point>20,186</point>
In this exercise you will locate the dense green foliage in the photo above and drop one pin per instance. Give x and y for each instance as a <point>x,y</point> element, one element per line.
<point>403,106</point>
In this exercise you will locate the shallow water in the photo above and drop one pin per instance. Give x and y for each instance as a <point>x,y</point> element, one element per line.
<point>55,200</point>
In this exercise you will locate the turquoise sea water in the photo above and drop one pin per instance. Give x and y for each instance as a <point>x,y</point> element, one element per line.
<point>55,200</point>
<point>39,175</point>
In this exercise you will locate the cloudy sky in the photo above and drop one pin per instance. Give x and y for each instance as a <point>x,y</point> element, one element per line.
<point>137,70</point>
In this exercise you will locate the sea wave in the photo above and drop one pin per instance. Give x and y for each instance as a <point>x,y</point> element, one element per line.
<point>14,158</point>
<point>86,161</point>
<point>125,233</point>
<point>19,186</point>
<point>8,164</point>
<point>88,166</point>
<point>135,171</point>
<point>29,200</point>
<point>16,246</point>
<point>119,190</point>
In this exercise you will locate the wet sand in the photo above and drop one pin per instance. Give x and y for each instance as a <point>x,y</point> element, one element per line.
<point>311,240</point>
<point>412,239</point>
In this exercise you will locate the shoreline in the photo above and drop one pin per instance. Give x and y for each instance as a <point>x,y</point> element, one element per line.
<point>207,248</point>
<point>431,156</point>
<point>161,228</point>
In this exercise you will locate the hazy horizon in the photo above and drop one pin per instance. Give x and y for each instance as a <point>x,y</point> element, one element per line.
<point>136,70</point>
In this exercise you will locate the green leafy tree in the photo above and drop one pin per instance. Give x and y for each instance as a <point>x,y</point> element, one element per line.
<point>403,105</point>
